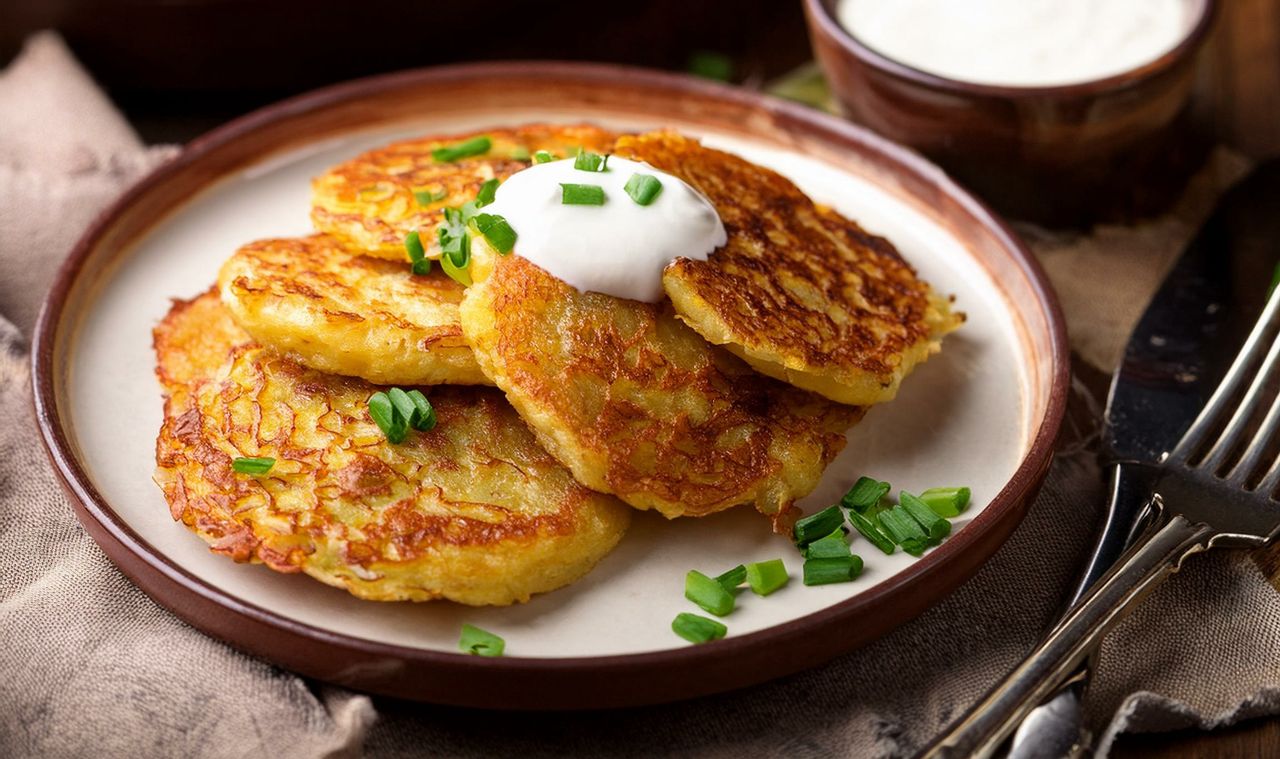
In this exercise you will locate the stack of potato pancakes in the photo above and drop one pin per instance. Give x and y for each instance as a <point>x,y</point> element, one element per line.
<point>556,410</point>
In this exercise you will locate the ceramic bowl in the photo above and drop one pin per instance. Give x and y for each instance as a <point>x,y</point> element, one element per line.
<point>1063,155</point>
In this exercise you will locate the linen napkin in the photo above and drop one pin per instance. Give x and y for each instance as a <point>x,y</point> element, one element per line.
<point>92,666</point>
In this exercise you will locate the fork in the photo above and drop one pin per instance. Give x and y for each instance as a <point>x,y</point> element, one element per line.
<point>1215,489</point>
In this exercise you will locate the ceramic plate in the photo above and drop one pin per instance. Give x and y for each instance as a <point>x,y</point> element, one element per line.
<point>983,413</point>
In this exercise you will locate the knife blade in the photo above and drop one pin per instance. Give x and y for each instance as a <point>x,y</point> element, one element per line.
<point>1176,355</point>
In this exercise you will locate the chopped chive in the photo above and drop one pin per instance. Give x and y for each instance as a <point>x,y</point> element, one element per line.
<point>413,407</point>
<point>733,578</point>
<point>480,642</point>
<point>413,245</point>
<point>487,191</point>
<point>903,530</point>
<point>899,526</point>
<point>585,161</point>
<point>427,197</point>
<point>457,272</point>
<point>497,231</point>
<point>711,65</point>
<point>465,149</point>
<point>520,153</point>
<point>384,414</point>
<point>935,526</point>
<point>869,531</point>
<point>764,577</point>
<point>643,188</point>
<point>865,494</point>
<point>817,525</point>
<point>455,246</point>
<point>833,546</point>
<point>581,194</point>
<point>543,156</point>
<point>252,465</point>
<point>696,629</point>
<point>946,502</point>
<point>707,593</point>
<point>424,419</point>
<point>421,267</point>
<point>837,569</point>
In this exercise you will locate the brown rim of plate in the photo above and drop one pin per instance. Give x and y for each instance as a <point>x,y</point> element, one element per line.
<point>542,683</point>
<point>821,10</point>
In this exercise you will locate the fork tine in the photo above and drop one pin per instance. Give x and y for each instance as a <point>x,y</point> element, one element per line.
<point>1234,432</point>
<point>1252,459</point>
<point>1219,402</point>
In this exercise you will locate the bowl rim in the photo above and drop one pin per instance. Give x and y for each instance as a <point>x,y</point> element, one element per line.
<point>562,682</point>
<point>822,18</point>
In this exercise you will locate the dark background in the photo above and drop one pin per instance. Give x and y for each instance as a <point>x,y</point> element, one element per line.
<point>181,67</point>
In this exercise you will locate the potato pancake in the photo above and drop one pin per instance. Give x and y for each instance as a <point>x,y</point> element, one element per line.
<point>798,291</point>
<point>472,510</point>
<point>334,310</point>
<point>373,201</point>
<point>636,404</point>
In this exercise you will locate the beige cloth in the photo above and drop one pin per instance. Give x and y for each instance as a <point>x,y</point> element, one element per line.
<point>92,667</point>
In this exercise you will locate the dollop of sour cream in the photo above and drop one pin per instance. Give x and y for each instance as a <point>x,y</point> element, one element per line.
<point>618,248</point>
<point>1020,43</point>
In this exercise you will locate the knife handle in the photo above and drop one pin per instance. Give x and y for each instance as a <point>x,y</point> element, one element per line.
<point>1054,729</point>
<point>984,728</point>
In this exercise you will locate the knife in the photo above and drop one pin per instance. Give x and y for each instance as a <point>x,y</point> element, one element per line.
<point>1175,357</point>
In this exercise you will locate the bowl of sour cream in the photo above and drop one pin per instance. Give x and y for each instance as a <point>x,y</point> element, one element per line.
<point>1057,111</point>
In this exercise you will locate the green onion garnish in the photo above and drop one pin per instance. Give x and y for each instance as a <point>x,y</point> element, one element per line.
<point>497,231</point>
<point>520,153</point>
<point>865,494</point>
<point>465,149</point>
<point>480,642</point>
<point>869,531</point>
<point>413,245</point>
<point>427,197</point>
<point>827,571</point>
<point>707,593</point>
<point>764,577</point>
<point>414,407</point>
<point>425,419</point>
<point>946,502</point>
<point>711,65</point>
<point>935,526</point>
<point>581,194</point>
<point>384,414</point>
<point>455,245</point>
<point>590,162</point>
<point>643,188</point>
<point>543,156</point>
<point>903,530</point>
<point>818,525</point>
<point>833,546</point>
<point>696,629</point>
<point>421,265</point>
<point>487,191</point>
<point>733,578</point>
<point>458,273</point>
<point>252,465</point>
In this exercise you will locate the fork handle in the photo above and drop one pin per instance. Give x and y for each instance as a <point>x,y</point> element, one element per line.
<point>984,728</point>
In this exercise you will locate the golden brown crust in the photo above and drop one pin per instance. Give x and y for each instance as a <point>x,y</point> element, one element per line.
<point>334,310</point>
<point>368,202</point>
<point>800,292</point>
<point>474,510</point>
<point>637,404</point>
